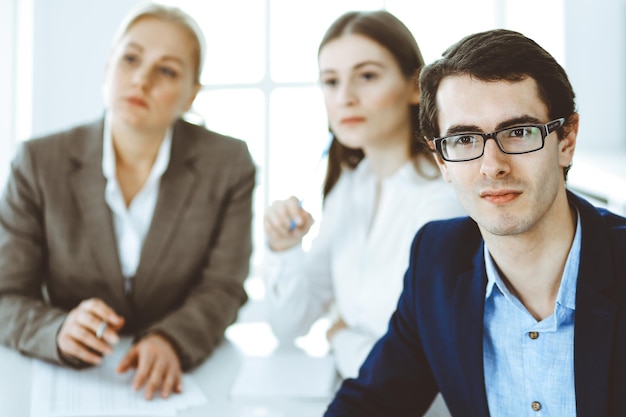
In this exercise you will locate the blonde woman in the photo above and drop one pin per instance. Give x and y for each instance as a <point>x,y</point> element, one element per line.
<point>138,223</point>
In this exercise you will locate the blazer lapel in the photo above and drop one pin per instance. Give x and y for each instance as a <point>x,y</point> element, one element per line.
<point>594,324</point>
<point>595,316</point>
<point>469,302</point>
<point>177,185</point>
<point>88,184</point>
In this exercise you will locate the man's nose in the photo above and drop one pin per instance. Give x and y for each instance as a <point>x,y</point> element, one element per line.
<point>495,163</point>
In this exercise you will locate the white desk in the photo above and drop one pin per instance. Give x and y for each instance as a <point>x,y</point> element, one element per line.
<point>250,336</point>
<point>215,378</point>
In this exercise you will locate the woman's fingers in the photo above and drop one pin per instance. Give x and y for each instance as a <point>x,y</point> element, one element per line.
<point>71,347</point>
<point>157,367</point>
<point>286,222</point>
<point>81,334</point>
<point>101,310</point>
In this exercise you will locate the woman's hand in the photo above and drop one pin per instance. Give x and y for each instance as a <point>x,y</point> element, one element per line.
<point>286,222</point>
<point>157,366</point>
<point>339,325</point>
<point>84,336</point>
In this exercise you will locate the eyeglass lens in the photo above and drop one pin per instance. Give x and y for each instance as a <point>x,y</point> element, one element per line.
<point>519,139</point>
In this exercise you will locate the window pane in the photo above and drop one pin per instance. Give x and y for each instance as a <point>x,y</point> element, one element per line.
<point>549,34</point>
<point>235,37</point>
<point>438,24</point>
<point>298,137</point>
<point>241,113</point>
<point>296,30</point>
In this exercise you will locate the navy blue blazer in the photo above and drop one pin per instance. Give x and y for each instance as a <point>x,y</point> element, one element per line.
<point>435,337</point>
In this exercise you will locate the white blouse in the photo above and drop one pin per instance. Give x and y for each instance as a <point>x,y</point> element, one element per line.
<point>358,259</point>
<point>133,222</point>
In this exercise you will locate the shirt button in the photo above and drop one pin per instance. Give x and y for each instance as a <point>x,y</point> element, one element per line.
<point>533,335</point>
<point>536,406</point>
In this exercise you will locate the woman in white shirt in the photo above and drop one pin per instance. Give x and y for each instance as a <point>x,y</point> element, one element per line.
<point>381,186</point>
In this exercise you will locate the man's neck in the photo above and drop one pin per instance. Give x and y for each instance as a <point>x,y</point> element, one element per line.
<point>531,264</point>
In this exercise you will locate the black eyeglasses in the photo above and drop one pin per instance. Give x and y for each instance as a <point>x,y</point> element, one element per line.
<point>511,140</point>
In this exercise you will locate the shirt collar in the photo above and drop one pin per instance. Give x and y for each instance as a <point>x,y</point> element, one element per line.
<point>566,296</point>
<point>108,154</point>
<point>404,173</point>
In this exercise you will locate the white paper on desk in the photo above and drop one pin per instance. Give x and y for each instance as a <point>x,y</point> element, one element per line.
<point>286,374</point>
<point>100,391</point>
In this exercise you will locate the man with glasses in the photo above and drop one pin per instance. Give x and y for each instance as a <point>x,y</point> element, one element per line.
<point>519,309</point>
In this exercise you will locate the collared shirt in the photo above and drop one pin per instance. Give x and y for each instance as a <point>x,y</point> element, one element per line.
<point>133,222</point>
<point>529,365</point>
<point>358,259</point>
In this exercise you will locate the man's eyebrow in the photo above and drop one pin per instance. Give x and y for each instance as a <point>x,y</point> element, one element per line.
<point>454,129</point>
<point>515,121</point>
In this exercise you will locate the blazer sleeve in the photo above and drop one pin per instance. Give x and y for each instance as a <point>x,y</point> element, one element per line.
<point>211,305</point>
<point>29,324</point>
<point>396,379</point>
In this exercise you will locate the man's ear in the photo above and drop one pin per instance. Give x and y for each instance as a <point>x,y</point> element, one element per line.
<point>568,143</point>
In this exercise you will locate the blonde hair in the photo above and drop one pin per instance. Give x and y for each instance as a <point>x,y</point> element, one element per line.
<point>170,14</point>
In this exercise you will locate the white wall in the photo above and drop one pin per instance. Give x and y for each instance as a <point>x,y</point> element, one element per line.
<point>7,80</point>
<point>596,64</point>
<point>70,46</point>
<point>595,50</point>
<point>71,41</point>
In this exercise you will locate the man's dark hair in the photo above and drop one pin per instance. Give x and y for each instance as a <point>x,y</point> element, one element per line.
<point>498,55</point>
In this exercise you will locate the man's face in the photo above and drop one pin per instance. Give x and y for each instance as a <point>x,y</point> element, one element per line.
<point>505,194</point>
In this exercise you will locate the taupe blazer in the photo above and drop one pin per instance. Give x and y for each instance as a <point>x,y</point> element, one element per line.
<point>58,245</point>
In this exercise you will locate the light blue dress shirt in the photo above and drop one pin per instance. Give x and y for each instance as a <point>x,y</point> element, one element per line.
<point>529,365</point>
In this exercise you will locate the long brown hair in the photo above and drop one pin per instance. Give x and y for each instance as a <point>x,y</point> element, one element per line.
<point>388,31</point>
